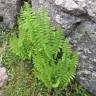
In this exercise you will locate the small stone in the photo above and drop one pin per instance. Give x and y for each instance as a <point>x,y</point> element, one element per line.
<point>3,76</point>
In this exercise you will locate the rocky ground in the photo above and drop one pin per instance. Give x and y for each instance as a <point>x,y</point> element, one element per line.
<point>78,19</point>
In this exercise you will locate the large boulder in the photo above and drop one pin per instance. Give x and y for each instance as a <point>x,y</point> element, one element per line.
<point>8,11</point>
<point>78,18</point>
<point>84,37</point>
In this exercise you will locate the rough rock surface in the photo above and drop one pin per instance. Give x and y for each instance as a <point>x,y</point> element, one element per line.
<point>8,12</point>
<point>78,18</point>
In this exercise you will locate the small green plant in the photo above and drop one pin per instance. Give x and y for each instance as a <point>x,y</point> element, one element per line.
<point>9,58</point>
<point>54,61</point>
<point>21,44</point>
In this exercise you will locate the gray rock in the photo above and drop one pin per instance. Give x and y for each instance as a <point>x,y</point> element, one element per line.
<point>8,11</point>
<point>78,7</point>
<point>3,76</point>
<point>70,6</point>
<point>78,18</point>
<point>85,37</point>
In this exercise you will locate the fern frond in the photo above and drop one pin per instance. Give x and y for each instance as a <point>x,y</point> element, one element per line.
<point>54,61</point>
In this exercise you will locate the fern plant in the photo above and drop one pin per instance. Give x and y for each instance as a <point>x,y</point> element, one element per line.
<point>22,44</point>
<point>58,69</point>
<point>54,61</point>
